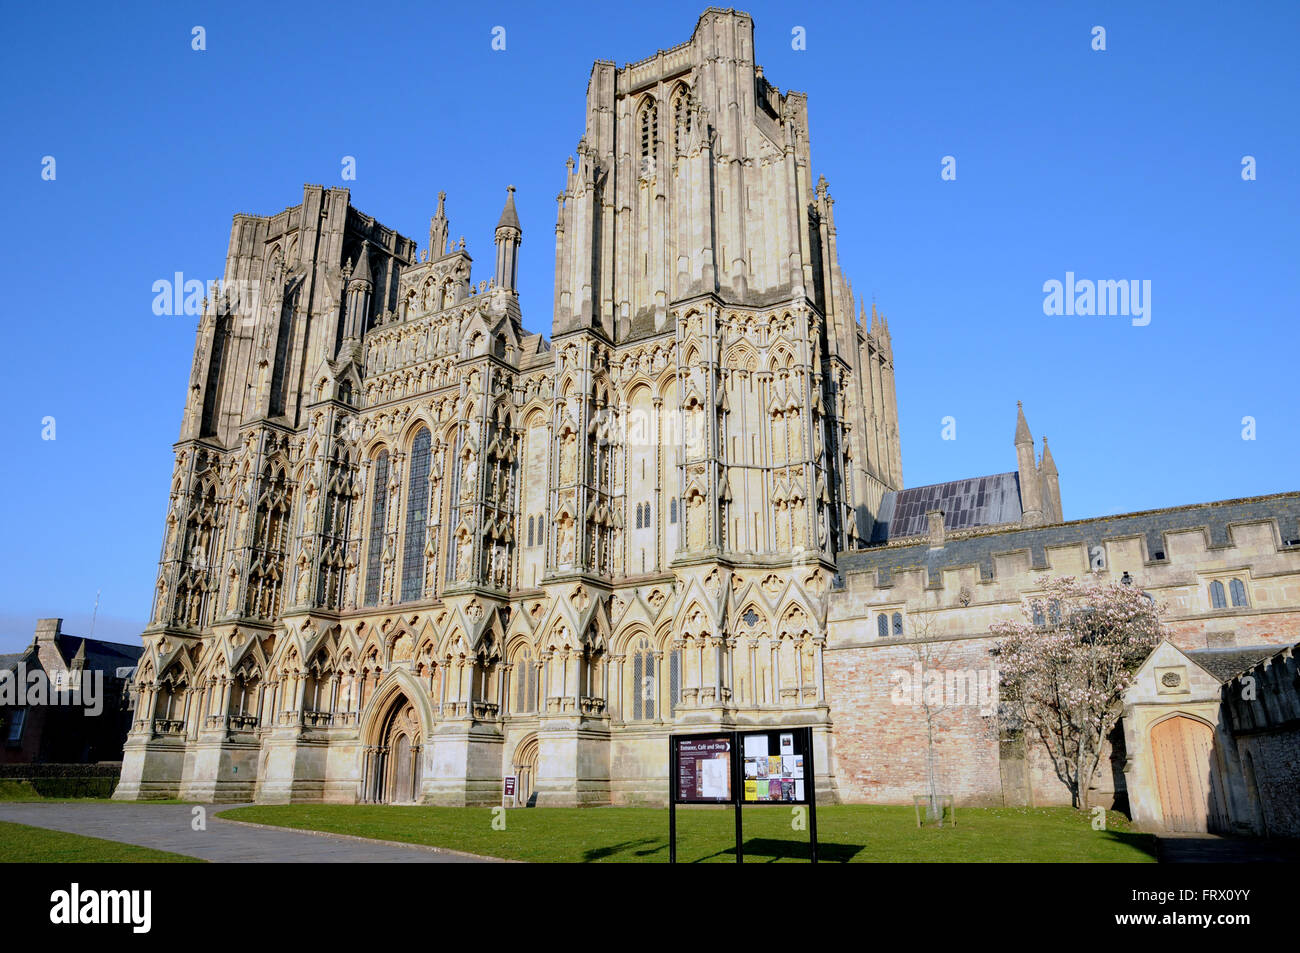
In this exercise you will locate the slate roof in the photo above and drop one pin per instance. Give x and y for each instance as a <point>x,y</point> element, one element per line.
<point>980,501</point>
<point>100,656</point>
<point>1226,664</point>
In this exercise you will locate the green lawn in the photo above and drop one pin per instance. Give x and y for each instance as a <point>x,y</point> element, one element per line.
<point>852,833</point>
<point>20,844</point>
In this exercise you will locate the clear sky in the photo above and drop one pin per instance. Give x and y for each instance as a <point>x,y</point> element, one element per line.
<point>1117,164</point>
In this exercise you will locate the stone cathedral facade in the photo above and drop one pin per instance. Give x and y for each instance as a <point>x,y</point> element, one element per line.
<point>412,550</point>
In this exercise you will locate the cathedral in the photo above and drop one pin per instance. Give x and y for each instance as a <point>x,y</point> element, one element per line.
<point>412,550</point>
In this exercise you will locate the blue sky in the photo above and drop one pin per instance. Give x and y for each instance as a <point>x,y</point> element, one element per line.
<point>1122,164</point>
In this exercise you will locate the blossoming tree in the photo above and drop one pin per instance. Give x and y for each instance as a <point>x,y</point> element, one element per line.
<point>1064,670</point>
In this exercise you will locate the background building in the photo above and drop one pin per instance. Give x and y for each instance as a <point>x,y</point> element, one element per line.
<point>56,726</point>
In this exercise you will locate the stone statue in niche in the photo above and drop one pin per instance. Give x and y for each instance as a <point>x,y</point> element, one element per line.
<point>798,527</point>
<point>350,583</point>
<point>568,457</point>
<point>469,476</point>
<point>232,589</point>
<point>566,541</point>
<point>163,592</point>
<point>304,578</point>
<point>697,534</point>
<point>782,520</point>
<point>430,566</point>
<point>386,580</point>
<point>464,553</point>
<point>694,419</point>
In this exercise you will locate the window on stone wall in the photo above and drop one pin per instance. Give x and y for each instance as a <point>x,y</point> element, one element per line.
<point>898,623</point>
<point>674,680</point>
<point>525,683</point>
<point>16,722</point>
<point>1238,590</point>
<point>882,625</point>
<point>672,510</point>
<point>1217,597</point>
<point>417,514</point>
<point>530,531</point>
<point>378,517</point>
<point>649,129</point>
<point>1040,617</point>
<point>643,681</point>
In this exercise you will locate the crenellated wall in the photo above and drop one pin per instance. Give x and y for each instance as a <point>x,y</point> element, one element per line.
<point>949,595</point>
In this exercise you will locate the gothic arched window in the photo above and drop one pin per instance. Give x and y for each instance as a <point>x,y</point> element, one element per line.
<point>643,681</point>
<point>1217,599</point>
<point>898,623</point>
<point>649,128</point>
<point>672,510</point>
<point>882,625</point>
<point>1238,591</point>
<point>530,531</point>
<point>682,113</point>
<point>674,680</point>
<point>525,683</point>
<point>378,519</point>
<point>417,516</point>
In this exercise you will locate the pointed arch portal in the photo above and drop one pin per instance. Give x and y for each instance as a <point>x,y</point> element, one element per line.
<point>391,771</point>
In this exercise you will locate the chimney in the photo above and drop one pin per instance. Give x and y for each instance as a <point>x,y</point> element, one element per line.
<point>936,528</point>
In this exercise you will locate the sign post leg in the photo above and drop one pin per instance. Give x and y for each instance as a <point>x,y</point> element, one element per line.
<point>737,787</point>
<point>672,802</point>
<point>812,797</point>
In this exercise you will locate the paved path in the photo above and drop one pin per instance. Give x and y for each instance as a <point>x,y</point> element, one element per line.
<point>1212,849</point>
<point>167,827</point>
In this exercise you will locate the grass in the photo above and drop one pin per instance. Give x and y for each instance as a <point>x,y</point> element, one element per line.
<point>20,844</point>
<point>846,833</point>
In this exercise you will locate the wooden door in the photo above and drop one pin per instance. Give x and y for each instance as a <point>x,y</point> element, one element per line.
<point>402,770</point>
<point>1187,775</point>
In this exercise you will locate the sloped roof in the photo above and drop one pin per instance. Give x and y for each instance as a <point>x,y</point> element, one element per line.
<point>1226,664</point>
<point>100,656</point>
<point>979,501</point>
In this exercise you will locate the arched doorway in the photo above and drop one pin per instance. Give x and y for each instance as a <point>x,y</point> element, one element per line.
<point>1187,776</point>
<point>525,767</point>
<point>391,771</point>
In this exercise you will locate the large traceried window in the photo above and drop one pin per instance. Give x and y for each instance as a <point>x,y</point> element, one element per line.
<point>525,683</point>
<point>682,115</point>
<point>649,129</point>
<point>378,519</point>
<point>643,681</point>
<point>417,517</point>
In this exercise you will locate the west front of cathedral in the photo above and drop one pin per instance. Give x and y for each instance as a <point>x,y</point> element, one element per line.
<point>412,550</point>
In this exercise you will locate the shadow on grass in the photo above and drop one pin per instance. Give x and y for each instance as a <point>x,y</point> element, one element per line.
<point>604,853</point>
<point>1146,843</point>
<point>767,850</point>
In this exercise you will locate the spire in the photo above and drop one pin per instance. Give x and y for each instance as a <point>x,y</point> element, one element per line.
<point>1048,466</point>
<point>1031,480</point>
<point>508,237</point>
<point>361,272</point>
<point>1022,426</point>
<point>438,230</point>
<point>509,217</point>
